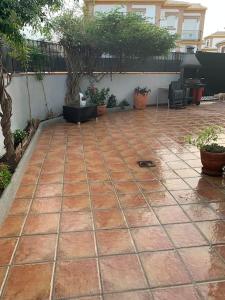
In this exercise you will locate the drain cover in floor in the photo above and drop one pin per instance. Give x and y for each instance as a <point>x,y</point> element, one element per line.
<point>146,164</point>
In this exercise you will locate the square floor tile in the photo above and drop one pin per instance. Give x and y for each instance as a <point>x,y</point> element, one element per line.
<point>76,203</point>
<point>151,239</point>
<point>6,249</point>
<point>121,176</point>
<point>2,274</point>
<point>114,242</point>
<point>186,196</point>
<point>20,206</point>
<point>76,221</point>
<point>101,187</point>
<point>76,278</point>
<point>175,184</point>
<point>51,178</point>
<point>185,235</point>
<point>200,212</point>
<point>138,295</point>
<point>187,173</point>
<point>110,218</point>
<point>25,282</point>
<point>26,191</point>
<point>203,263</point>
<point>76,244</point>
<point>126,187</point>
<point>164,268</point>
<point>98,176</point>
<point>212,291</point>
<point>160,199</point>
<point>74,189</point>
<point>49,190</point>
<point>176,293</point>
<point>75,177</point>
<point>170,214</point>
<point>46,205</point>
<point>35,249</point>
<point>140,217</point>
<point>11,226</point>
<point>214,231</point>
<point>151,186</point>
<point>220,249</point>
<point>43,223</point>
<point>104,201</point>
<point>132,200</point>
<point>117,276</point>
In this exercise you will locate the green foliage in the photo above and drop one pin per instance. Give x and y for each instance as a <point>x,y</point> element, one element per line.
<point>214,148</point>
<point>15,14</point>
<point>142,90</point>
<point>97,96</point>
<point>122,36</point>
<point>123,104</point>
<point>112,101</point>
<point>19,135</point>
<point>131,34</point>
<point>206,139</point>
<point>37,60</point>
<point>5,176</point>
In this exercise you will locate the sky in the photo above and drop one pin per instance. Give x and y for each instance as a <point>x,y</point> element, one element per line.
<point>215,15</point>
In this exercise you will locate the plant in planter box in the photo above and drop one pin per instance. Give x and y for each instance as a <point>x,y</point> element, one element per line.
<point>141,97</point>
<point>98,97</point>
<point>5,176</point>
<point>19,135</point>
<point>212,154</point>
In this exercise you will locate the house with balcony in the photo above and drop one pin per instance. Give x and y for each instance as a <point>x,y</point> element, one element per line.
<point>215,42</point>
<point>183,18</point>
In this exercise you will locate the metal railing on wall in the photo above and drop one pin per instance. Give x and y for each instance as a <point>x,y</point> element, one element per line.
<point>50,57</point>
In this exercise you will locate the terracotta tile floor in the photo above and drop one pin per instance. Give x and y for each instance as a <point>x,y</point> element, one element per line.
<point>88,223</point>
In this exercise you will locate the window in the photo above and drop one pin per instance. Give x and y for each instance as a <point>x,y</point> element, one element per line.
<point>149,11</point>
<point>109,7</point>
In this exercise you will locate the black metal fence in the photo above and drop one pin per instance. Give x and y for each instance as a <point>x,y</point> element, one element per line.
<point>50,57</point>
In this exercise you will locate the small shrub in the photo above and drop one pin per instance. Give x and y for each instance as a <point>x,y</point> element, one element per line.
<point>112,101</point>
<point>206,139</point>
<point>142,90</point>
<point>97,96</point>
<point>5,176</point>
<point>19,135</point>
<point>123,104</point>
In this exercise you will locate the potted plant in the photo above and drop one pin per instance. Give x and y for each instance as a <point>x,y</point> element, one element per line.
<point>212,154</point>
<point>141,97</point>
<point>98,97</point>
<point>123,104</point>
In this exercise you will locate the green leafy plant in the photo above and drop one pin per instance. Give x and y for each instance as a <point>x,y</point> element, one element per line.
<point>112,101</point>
<point>142,90</point>
<point>19,135</point>
<point>123,104</point>
<point>5,176</point>
<point>97,96</point>
<point>206,139</point>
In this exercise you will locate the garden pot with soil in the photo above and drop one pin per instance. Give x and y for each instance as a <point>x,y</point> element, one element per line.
<point>212,154</point>
<point>212,163</point>
<point>141,97</point>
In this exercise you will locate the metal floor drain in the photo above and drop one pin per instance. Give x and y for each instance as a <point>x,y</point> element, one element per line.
<point>146,163</point>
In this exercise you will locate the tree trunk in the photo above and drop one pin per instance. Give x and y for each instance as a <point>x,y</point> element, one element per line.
<point>6,113</point>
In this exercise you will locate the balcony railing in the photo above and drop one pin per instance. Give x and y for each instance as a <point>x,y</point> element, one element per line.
<point>192,35</point>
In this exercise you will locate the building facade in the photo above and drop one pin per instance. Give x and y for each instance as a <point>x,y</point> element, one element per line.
<point>215,42</point>
<point>183,18</point>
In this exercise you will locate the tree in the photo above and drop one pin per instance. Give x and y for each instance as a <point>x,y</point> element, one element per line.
<point>121,36</point>
<point>14,15</point>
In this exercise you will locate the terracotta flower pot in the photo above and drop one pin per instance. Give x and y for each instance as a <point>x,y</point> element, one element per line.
<point>212,163</point>
<point>140,101</point>
<point>101,110</point>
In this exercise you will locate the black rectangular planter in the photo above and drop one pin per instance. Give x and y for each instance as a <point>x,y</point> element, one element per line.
<point>75,114</point>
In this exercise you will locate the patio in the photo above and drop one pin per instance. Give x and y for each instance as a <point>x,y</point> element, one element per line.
<point>89,223</point>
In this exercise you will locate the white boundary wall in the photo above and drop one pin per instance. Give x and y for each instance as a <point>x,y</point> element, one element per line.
<point>121,85</point>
